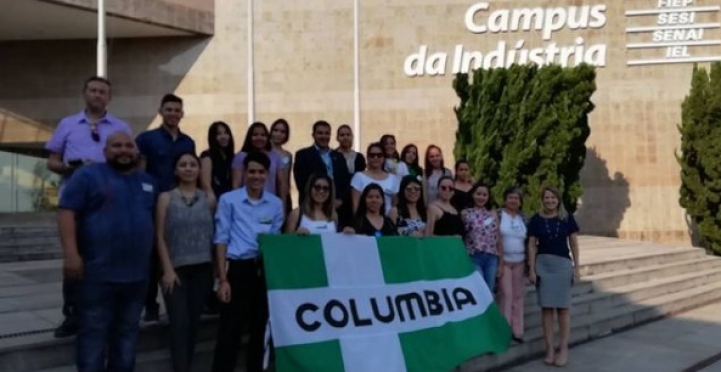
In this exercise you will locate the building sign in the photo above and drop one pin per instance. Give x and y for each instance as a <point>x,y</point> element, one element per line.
<point>680,32</point>
<point>677,34</point>
<point>481,19</point>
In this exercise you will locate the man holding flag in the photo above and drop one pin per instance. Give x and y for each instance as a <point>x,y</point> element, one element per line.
<point>242,215</point>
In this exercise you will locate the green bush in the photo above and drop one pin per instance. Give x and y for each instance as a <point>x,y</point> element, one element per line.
<point>526,126</point>
<point>700,156</point>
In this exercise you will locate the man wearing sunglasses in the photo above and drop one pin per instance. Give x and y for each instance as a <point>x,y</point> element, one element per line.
<point>79,139</point>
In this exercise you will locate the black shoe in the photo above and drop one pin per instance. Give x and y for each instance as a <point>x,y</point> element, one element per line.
<point>518,339</point>
<point>66,329</point>
<point>152,315</point>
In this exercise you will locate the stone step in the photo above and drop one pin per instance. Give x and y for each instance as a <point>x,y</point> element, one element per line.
<point>600,301</point>
<point>32,254</point>
<point>607,281</point>
<point>35,352</point>
<point>10,229</point>
<point>608,261</point>
<point>159,361</point>
<point>17,243</point>
<point>595,325</point>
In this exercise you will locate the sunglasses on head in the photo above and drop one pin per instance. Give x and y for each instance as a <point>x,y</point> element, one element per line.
<point>375,155</point>
<point>321,188</point>
<point>94,132</point>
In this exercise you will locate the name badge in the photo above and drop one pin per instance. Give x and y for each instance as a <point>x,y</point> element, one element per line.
<point>147,187</point>
<point>488,221</point>
<point>322,227</point>
<point>265,221</point>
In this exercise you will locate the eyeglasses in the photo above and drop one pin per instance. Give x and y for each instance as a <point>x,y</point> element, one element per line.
<point>321,188</point>
<point>413,188</point>
<point>94,132</point>
<point>375,155</point>
<point>446,188</point>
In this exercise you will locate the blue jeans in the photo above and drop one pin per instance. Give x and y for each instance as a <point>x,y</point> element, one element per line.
<point>109,320</point>
<point>487,265</point>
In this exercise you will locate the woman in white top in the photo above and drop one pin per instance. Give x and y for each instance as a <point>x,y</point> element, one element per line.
<point>374,174</point>
<point>513,278</point>
<point>317,213</point>
<point>393,163</point>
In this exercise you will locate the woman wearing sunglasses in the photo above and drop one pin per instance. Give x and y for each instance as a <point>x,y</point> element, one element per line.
<point>443,218</point>
<point>374,174</point>
<point>316,214</point>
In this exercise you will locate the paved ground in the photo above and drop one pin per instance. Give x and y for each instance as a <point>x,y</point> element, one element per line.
<point>669,345</point>
<point>713,368</point>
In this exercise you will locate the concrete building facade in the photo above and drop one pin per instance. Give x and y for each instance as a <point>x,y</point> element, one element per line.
<point>380,66</point>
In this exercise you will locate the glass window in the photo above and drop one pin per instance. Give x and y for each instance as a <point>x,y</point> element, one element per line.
<point>26,185</point>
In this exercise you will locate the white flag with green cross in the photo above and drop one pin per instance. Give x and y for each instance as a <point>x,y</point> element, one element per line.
<point>366,304</point>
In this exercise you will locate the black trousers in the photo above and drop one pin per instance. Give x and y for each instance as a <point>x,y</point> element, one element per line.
<point>248,305</point>
<point>185,306</point>
<point>151,296</point>
<point>70,301</point>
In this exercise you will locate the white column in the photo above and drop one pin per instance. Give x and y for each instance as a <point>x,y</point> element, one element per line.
<point>356,78</point>
<point>251,66</point>
<point>102,62</point>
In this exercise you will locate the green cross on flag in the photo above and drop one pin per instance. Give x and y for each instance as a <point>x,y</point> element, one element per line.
<point>393,304</point>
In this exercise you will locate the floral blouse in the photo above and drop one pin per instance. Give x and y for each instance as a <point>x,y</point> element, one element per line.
<point>481,229</point>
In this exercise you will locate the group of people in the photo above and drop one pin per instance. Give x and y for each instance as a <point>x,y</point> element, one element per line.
<point>136,214</point>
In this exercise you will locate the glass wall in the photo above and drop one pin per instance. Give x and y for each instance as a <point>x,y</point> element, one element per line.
<point>26,185</point>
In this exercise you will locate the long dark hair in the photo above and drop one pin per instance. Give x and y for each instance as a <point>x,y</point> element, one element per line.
<point>415,166</point>
<point>175,165</point>
<point>281,121</point>
<point>360,215</point>
<point>383,140</point>
<point>427,163</point>
<point>402,206</point>
<point>475,187</point>
<point>248,142</point>
<point>219,154</point>
<point>306,206</point>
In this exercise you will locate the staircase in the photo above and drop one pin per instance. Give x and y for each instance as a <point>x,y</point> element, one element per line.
<point>624,284</point>
<point>22,242</point>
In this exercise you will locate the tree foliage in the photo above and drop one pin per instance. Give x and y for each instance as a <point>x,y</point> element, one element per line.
<point>700,156</point>
<point>526,126</point>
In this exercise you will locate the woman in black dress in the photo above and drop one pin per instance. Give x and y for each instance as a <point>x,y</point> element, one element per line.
<point>463,183</point>
<point>215,162</point>
<point>370,219</point>
<point>216,177</point>
<point>443,218</point>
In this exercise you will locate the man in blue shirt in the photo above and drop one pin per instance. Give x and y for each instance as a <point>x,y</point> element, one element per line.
<point>243,214</point>
<point>105,219</point>
<point>158,150</point>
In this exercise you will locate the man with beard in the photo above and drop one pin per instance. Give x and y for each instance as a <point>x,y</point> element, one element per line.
<point>78,140</point>
<point>158,150</point>
<point>105,219</point>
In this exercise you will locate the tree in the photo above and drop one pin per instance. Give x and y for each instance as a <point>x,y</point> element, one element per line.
<point>700,157</point>
<point>526,126</point>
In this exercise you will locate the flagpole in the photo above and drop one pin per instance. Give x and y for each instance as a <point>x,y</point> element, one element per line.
<point>356,79</point>
<point>102,62</point>
<point>251,66</point>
